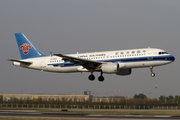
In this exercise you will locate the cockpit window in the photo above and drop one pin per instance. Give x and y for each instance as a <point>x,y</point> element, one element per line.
<point>162,53</point>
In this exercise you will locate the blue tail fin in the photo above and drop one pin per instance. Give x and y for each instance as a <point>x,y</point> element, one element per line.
<point>26,49</point>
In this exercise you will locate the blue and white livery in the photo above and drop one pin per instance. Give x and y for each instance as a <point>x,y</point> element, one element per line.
<point>119,62</point>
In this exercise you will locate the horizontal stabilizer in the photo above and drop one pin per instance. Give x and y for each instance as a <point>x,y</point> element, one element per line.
<point>24,62</point>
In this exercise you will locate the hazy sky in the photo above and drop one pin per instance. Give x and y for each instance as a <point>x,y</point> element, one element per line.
<point>70,26</point>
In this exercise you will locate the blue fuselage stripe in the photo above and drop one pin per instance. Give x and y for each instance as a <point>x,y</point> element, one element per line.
<point>123,60</point>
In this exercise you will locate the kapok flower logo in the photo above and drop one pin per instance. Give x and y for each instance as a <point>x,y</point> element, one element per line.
<point>25,48</point>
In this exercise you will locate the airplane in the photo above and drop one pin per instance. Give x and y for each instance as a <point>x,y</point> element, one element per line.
<point>119,62</point>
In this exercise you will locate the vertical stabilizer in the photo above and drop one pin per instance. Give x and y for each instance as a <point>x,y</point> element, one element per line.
<point>26,48</point>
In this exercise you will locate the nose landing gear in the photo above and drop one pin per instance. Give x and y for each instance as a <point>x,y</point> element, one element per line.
<point>152,74</point>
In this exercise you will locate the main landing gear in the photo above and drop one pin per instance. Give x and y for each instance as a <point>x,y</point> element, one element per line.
<point>152,74</point>
<point>100,78</point>
<point>91,77</point>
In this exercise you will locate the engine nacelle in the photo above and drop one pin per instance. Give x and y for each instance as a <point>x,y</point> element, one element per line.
<point>116,68</point>
<point>110,68</point>
<point>124,71</point>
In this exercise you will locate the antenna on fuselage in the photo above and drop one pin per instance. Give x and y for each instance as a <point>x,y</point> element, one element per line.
<point>148,47</point>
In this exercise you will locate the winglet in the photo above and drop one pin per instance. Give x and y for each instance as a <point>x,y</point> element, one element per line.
<point>51,54</point>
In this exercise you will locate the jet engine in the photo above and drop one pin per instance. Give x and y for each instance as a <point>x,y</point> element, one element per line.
<point>115,68</point>
<point>110,68</point>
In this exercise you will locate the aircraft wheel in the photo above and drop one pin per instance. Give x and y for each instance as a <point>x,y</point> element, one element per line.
<point>152,74</point>
<point>101,78</point>
<point>91,77</point>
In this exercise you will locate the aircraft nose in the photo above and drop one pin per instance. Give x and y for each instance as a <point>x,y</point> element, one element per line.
<point>173,58</point>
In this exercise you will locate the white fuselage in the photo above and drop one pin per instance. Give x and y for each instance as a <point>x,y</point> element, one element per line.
<point>133,58</point>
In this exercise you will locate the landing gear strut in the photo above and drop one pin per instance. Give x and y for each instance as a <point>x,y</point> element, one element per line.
<point>101,78</point>
<point>152,74</point>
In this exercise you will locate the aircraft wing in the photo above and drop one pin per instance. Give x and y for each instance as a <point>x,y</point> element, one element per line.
<point>88,64</point>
